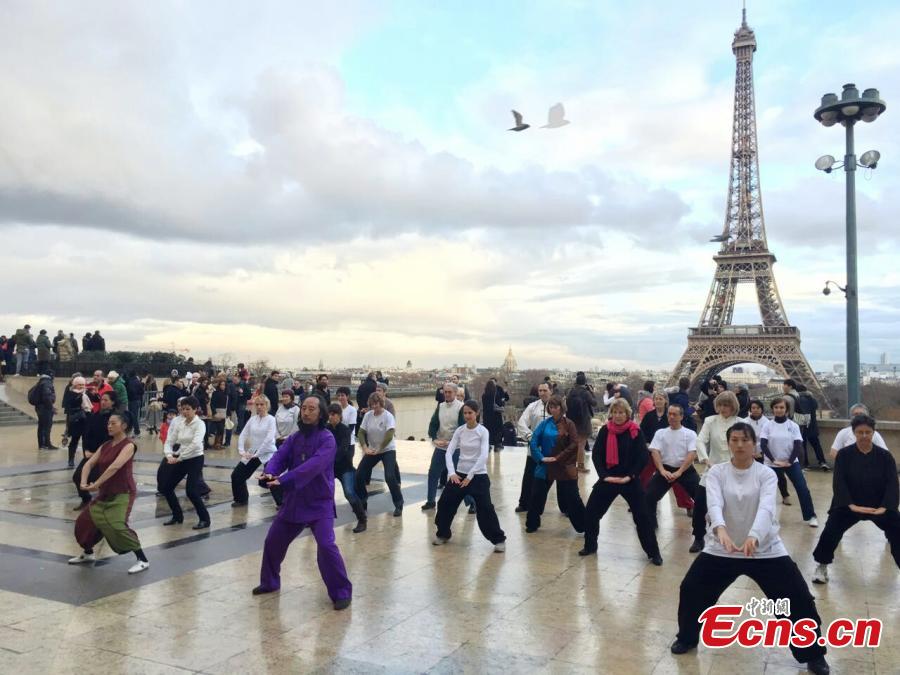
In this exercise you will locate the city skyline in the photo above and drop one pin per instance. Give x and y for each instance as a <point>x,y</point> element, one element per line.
<point>343,188</point>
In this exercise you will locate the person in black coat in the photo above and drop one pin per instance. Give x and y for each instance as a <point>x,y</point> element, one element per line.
<point>620,454</point>
<point>344,472</point>
<point>270,389</point>
<point>365,390</point>
<point>492,403</point>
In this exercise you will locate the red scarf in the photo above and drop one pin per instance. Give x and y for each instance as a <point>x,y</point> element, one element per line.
<point>612,443</point>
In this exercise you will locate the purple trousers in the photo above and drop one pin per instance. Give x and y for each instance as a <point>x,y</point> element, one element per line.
<point>331,565</point>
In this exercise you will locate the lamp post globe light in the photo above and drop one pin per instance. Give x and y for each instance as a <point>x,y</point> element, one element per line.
<point>847,110</point>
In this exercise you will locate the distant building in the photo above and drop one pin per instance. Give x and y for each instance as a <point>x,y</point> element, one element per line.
<point>509,364</point>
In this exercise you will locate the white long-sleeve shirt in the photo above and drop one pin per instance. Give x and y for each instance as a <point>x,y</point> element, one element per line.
<point>189,437</point>
<point>758,426</point>
<point>286,421</point>
<point>534,414</point>
<point>743,501</point>
<point>711,443</point>
<point>258,437</point>
<point>348,417</point>
<point>473,445</point>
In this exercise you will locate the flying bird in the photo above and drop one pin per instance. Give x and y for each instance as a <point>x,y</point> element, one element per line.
<point>556,117</point>
<point>520,125</point>
<point>720,238</point>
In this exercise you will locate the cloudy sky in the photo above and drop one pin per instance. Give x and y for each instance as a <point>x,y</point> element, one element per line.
<point>308,180</point>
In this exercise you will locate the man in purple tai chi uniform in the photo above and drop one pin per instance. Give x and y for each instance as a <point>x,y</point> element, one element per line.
<point>304,467</point>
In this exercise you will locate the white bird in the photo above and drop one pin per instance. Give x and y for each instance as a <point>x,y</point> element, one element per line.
<point>520,125</point>
<point>556,117</point>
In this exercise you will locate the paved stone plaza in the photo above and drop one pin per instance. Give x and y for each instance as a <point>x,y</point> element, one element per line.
<point>538,607</point>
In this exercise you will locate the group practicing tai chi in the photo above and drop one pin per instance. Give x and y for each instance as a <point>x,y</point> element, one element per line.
<point>299,453</point>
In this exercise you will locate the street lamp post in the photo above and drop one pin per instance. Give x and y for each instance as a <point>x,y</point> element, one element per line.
<point>848,110</point>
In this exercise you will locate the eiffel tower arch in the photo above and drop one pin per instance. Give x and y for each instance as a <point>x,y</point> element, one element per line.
<point>744,258</point>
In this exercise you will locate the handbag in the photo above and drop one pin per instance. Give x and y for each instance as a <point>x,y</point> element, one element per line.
<point>229,424</point>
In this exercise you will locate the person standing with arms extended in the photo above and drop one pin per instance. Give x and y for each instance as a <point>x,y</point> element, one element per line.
<point>184,458</point>
<point>304,469</point>
<point>107,515</point>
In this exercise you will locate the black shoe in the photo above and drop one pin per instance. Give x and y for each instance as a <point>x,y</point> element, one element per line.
<point>690,512</point>
<point>236,505</point>
<point>679,647</point>
<point>697,546</point>
<point>52,447</point>
<point>531,530</point>
<point>521,509</point>
<point>71,465</point>
<point>342,604</point>
<point>824,467</point>
<point>360,526</point>
<point>202,525</point>
<point>398,512</point>
<point>205,497</point>
<point>472,510</point>
<point>259,590</point>
<point>427,506</point>
<point>174,521</point>
<point>819,666</point>
<point>587,551</point>
<point>657,560</point>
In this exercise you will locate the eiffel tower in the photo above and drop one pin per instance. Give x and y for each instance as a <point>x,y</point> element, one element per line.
<point>744,257</point>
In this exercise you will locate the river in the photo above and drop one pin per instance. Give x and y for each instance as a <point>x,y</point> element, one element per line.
<point>413,415</point>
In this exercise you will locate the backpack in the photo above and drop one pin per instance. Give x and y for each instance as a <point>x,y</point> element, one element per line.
<point>575,407</point>
<point>35,397</point>
<point>802,410</point>
<point>509,434</point>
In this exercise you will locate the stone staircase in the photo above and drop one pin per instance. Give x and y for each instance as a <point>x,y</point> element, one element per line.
<point>10,417</point>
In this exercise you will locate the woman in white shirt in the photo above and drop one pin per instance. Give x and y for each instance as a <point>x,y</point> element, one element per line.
<point>712,449</point>
<point>286,417</point>
<point>469,477</point>
<point>781,443</point>
<point>743,540</point>
<point>756,418</point>
<point>184,458</point>
<point>256,445</point>
<point>376,438</point>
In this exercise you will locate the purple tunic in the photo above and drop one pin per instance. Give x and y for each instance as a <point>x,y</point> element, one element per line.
<point>305,468</point>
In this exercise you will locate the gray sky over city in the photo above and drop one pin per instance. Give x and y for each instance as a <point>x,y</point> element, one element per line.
<point>306,181</point>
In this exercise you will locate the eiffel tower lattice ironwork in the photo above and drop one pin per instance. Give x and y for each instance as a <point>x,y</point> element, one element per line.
<point>744,257</point>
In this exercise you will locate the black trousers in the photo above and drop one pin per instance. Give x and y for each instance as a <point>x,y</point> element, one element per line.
<point>391,476</point>
<point>528,481</point>
<point>45,424</point>
<point>76,431</point>
<point>239,477</point>
<point>480,490</point>
<point>76,478</point>
<point>710,575</point>
<point>566,494</point>
<point>698,520</point>
<point>811,436</point>
<point>782,481</point>
<point>842,519</point>
<point>602,496</point>
<point>192,469</point>
<point>659,486</point>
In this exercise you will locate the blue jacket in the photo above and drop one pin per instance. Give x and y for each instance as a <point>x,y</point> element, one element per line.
<point>541,445</point>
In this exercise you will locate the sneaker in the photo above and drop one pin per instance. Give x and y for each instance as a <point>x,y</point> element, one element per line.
<point>83,558</point>
<point>786,501</point>
<point>820,576</point>
<point>679,647</point>
<point>824,467</point>
<point>139,566</point>
<point>813,522</point>
<point>500,548</point>
<point>697,546</point>
<point>439,541</point>
<point>427,506</point>
<point>819,666</point>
